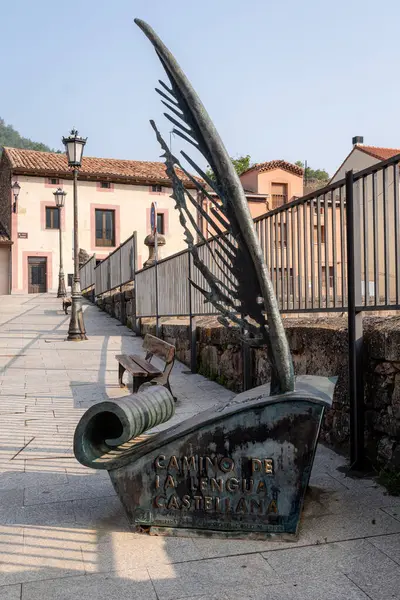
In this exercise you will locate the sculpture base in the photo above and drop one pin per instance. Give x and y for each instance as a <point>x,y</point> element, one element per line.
<point>223,535</point>
<point>238,470</point>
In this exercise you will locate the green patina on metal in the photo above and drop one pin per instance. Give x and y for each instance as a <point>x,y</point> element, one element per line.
<point>250,291</point>
<point>241,469</point>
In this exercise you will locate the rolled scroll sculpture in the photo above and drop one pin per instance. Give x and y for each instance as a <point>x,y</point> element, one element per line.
<point>242,468</point>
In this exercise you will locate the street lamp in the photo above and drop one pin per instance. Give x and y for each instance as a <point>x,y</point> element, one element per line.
<point>59,197</point>
<point>15,189</point>
<point>74,145</point>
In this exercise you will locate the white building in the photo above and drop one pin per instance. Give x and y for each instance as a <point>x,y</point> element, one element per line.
<point>361,157</point>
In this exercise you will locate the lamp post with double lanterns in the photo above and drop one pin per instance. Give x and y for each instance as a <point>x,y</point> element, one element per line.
<point>59,197</point>
<point>15,190</point>
<point>74,145</point>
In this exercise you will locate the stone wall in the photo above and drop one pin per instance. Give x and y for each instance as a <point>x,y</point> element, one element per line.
<point>120,305</point>
<point>319,347</point>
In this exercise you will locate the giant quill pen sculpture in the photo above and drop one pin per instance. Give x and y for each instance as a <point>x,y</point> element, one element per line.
<point>237,469</point>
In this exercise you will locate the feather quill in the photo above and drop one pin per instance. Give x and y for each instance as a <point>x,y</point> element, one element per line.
<point>238,248</point>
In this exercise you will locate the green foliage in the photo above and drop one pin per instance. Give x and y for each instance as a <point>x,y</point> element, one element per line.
<point>390,480</point>
<point>319,174</point>
<point>10,137</point>
<point>241,164</point>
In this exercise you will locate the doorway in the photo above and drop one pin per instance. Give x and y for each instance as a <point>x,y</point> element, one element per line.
<point>4,270</point>
<point>37,275</point>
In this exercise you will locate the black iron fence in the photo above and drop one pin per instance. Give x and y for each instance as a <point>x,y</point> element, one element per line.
<point>305,248</point>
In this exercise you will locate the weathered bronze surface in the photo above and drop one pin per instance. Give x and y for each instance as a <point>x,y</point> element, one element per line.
<point>243,467</point>
<point>108,429</point>
<point>239,256</point>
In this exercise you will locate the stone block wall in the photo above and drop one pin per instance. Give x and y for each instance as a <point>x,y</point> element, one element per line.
<point>318,346</point>
<point>120,305</point>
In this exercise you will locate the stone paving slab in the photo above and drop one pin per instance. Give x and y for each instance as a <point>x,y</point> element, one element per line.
<point>63,533</point>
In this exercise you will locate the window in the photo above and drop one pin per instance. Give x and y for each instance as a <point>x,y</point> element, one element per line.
<point>70,279</point>
<point>279,194</point>
<point>156,188</point>
<point>160,223</point>
<point>105,185</point>
<point>105,227</point>
<point>52,218</point>
<point>53,181</point>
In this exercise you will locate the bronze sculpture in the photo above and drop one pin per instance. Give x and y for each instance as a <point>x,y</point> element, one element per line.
<point>251,285</point>
<point>242,468</point>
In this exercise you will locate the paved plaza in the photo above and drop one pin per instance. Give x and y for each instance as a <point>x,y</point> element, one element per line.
<point>63,533</point>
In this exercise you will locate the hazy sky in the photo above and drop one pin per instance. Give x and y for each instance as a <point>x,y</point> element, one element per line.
<point>291,80</point>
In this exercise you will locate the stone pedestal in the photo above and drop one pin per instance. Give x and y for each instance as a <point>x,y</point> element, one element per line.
<point>150,242</point>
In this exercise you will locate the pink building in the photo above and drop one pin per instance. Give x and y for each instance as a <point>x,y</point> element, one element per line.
<point>267,185</point>
<point>279,180</point>
<point>114,198</point>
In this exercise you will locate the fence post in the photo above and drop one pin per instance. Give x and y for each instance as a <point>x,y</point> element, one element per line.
<point>355,328</point>
<point>136,322</point>
<point>192,323</point>
<point>246,358</point>
<point>94,278</point>
<point>246,361</point>
<point>157,317</point>
<point>122,294</point>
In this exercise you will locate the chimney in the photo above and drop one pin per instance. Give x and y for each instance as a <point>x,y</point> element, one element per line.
<point>357,140</point>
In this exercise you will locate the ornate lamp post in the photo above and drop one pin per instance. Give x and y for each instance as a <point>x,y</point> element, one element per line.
<point>15,190</point>
<point>74,145</point>
<point>59,197</point>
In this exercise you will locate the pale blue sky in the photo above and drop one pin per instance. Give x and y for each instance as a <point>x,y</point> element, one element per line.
<point>292,80</point>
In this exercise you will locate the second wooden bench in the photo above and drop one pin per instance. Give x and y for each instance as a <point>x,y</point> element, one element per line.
<point>141,368</point>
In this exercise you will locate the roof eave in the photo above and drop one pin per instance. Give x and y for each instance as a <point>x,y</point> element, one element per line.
<point>266,169</point>
<point>96,177</point>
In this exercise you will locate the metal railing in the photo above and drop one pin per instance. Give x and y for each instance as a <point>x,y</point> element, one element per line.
<point>305,248</point>
<point>118,268</point>
<point>336,249</point>
<point>87,273</point>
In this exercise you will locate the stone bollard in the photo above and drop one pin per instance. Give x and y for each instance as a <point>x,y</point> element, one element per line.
<point>150,243</point>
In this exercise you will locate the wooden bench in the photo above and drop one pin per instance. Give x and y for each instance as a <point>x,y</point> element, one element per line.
<point>141,368</point>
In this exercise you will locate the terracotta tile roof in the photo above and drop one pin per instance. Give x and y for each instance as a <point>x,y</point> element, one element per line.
<point>4,237</point>
<point>380,153</point>
<point>276,164</point>
<point>52,163</point>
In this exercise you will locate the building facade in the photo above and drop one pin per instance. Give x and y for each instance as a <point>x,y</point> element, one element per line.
<point>361,157</point>
<point>114,199</point>
<point>279,180</point>
<point>266,185</point>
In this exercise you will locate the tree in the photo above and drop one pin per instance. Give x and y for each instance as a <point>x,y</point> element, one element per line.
<point>10,137</point>
<point>83,257</point>
<point>241,164</point>
<point>319,174</point>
